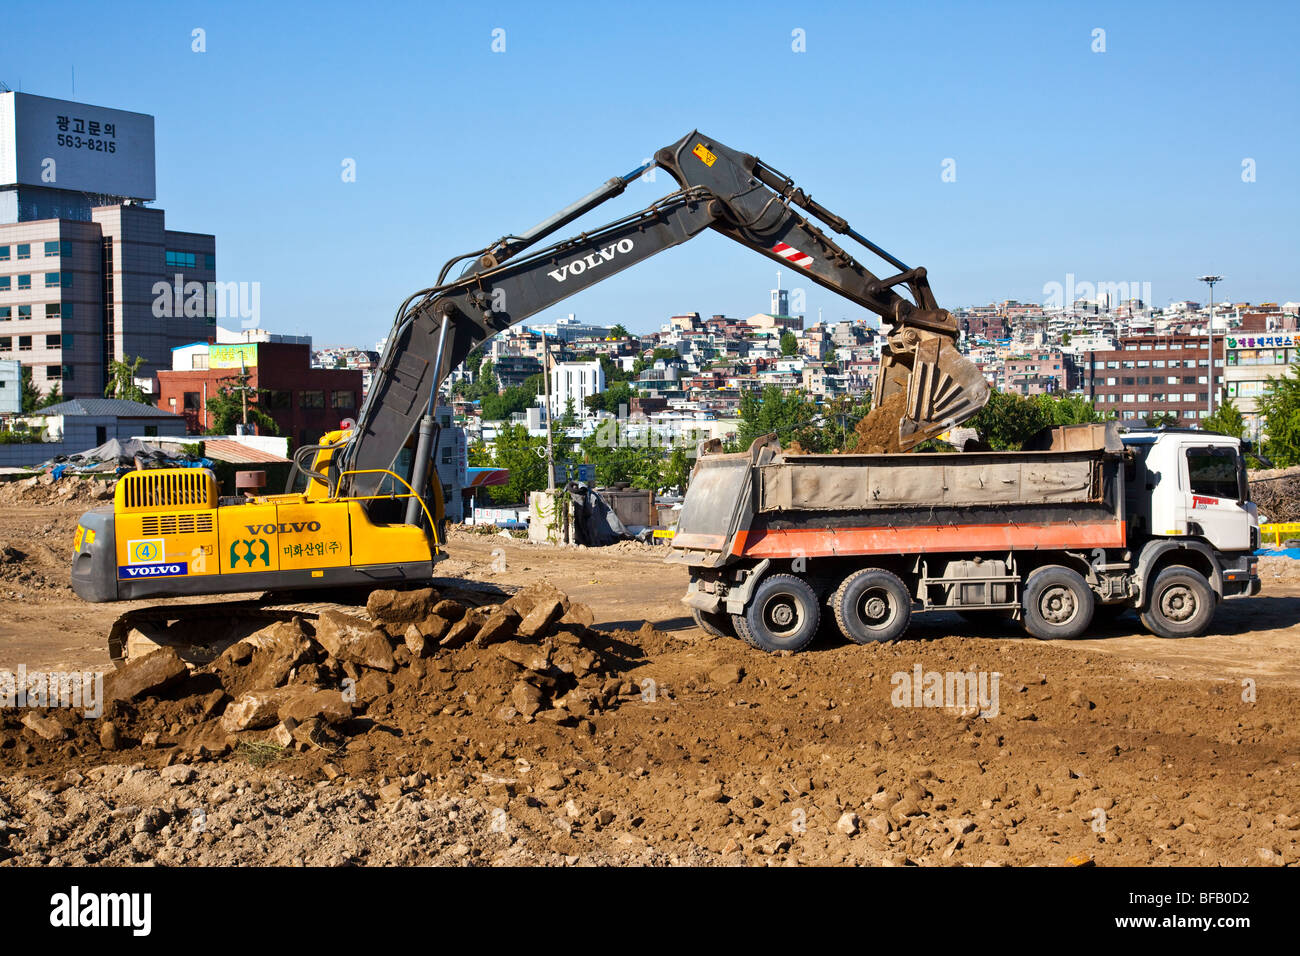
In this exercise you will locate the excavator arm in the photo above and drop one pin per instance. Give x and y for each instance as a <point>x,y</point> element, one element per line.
<point>734,194</point>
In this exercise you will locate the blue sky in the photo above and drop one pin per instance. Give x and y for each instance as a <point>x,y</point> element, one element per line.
<point>1123,165</point>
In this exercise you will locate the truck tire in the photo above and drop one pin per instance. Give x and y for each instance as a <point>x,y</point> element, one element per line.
<point>782,615</point>
<point>872,605</point>
<point>1180,603</point>
<point>716,623</point>
<point>1057,603</point>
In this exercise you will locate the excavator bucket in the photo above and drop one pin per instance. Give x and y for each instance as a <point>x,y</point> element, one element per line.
<point>939,387</point>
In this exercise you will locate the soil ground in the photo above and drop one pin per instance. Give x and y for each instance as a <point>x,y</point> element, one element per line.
<point>1120,748</point>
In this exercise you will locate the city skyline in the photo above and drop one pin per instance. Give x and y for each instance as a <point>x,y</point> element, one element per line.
<point>1033,148</point>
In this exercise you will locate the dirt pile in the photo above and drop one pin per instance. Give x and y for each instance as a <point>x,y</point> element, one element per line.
<point>877,432</point>
<point>1277,493</point>
<point>303,686</point>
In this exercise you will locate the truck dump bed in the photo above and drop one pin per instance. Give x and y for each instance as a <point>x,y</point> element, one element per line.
<point>766,503</point>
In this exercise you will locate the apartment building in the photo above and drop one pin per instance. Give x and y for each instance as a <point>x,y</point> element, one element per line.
<point>1149,375</point>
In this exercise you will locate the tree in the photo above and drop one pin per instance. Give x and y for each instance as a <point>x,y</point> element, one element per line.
<point>789,344</point>
<point>614,396</point>
<point>677,469</point>
<point>1226,420</point>
<point>31,395</point>
<point>1009,420</point>
<point>121,380</point>
<point>236,403</point>
<point>788,414</point>
<point>622,455</point>
<point>570,417</point>
<point>52,397</point>
<point>517,451</point>
<point>1280,409</point>
<point>618,332</point>
<point>1162,420</point>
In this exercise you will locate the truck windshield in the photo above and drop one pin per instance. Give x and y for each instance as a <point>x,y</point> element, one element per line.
<point>1214,472</point>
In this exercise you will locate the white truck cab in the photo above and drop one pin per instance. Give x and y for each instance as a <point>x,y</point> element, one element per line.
<point>1191,483</point>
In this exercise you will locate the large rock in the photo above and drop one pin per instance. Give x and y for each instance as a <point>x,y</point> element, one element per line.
<point>46,727</point>
<point>325,705</point>
<point>257,709</point>
<point>525,656</point>
<point>349,638</point>
<point>463,630</point>
<point>282,647</point>
<point>449,610</point>
<point>401,607</point>
<point>499,626</point>
<point>537,622</point>
<point>524,601</point>
<point>145,675</point>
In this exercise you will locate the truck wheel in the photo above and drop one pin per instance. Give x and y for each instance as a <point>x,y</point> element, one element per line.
<point>1179,604</point>
<point>1057,603</point>
<point>872,605</point>
<point>781,616</point>
<point>713,622</point>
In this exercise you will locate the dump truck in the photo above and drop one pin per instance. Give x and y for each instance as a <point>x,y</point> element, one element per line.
<point>362,508</point>
<point>1086,523</point>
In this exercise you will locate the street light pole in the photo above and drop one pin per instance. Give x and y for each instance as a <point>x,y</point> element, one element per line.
<point>1210,280</point>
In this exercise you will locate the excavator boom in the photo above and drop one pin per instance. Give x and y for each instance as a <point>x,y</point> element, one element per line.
<point>721,189</point>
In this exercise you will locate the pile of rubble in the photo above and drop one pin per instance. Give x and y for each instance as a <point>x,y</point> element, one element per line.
<point>46,489</point>
<point>303,685</point>
<point>1277,493</point>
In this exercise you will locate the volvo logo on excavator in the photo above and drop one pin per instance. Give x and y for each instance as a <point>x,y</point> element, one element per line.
<point>599,257</point>
<point>292,527</point>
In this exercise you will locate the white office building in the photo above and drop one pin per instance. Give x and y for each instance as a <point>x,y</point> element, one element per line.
<point>574,381</point>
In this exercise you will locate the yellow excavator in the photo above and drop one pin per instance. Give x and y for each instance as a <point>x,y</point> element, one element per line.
<point>363,508</point>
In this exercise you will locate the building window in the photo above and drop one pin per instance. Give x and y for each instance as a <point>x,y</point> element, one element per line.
<point>210,262</point>
<point>58,247</point>
<point>343,399</point>
<point>52,280</point>
<point>280,398</point>
<point>24,343</point>
<point>199,360</point>
<point>25,281</point>
<point>180,260</point>
<point>5,283</point>
<point>54,373</point>
<point>24,312</point>
<point>54,341</point>
<point>6,343</point>
<point>24,250</point>
<point>311,399</point>
<point>6,313</point>
<point>4,253</point>
<point>191,400</point>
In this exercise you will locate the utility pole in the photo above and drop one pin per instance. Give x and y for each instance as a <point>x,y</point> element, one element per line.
<point>546,385</point>
<point>1210,280</point>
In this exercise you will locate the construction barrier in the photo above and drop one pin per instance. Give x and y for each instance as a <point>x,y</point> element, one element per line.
<point>1279,532</point>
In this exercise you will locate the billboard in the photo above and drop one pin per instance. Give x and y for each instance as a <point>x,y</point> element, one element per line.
<point>243,355</point>
<point>58,144</point>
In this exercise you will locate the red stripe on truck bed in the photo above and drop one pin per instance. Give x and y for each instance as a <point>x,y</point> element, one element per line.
<point>829,542</point>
